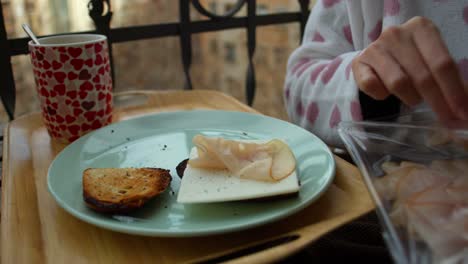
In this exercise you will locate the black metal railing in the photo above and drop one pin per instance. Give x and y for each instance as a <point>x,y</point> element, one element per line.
<point>101,13</point>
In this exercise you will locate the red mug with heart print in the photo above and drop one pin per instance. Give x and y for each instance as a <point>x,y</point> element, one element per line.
<point>73,82</point>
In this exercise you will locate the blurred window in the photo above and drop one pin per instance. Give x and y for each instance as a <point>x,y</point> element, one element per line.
<point>213,6</point>
<point>229,52</point>
<point>262,9</point>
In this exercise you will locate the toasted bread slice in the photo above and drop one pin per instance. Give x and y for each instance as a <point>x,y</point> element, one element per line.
<point>120,190</point>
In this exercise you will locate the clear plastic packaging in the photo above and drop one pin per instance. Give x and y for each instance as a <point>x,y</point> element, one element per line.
<point>417,173</point>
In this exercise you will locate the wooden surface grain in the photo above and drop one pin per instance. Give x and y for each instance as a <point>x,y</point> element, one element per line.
<point>34,229</point>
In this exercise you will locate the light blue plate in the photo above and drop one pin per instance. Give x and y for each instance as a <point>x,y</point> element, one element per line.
<point>163,140</point>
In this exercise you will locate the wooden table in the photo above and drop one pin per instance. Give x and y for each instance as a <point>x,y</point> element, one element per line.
<point>34,229</point>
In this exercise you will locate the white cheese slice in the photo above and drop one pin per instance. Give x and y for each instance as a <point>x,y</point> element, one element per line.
<point>205,186</point>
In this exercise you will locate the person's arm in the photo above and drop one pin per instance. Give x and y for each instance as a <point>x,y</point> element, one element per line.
<point>320,90</point>
<point>411,61</point>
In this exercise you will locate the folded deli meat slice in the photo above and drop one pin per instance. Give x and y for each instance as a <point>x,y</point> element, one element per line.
<point>270,161</point>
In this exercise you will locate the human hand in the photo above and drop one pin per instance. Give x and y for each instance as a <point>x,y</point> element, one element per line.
<point>412,62</point>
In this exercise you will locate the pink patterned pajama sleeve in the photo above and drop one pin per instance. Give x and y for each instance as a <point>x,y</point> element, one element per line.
<point>320,90</point>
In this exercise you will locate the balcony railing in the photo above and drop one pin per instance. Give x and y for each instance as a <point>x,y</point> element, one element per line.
<point>100,12</point>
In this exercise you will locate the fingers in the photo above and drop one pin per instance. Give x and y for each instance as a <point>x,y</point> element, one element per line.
<point>395,80</point>
<point>435,54</point>
<point>368,81</point>
<point>412,62</point>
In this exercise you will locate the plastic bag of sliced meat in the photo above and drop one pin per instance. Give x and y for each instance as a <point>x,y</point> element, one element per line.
<point>417,174</point>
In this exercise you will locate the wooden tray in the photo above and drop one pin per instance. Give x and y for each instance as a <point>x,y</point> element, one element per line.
<point>34,229</point>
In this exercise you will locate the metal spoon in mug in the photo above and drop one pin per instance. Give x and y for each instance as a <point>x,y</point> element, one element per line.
<point>28,31</point>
